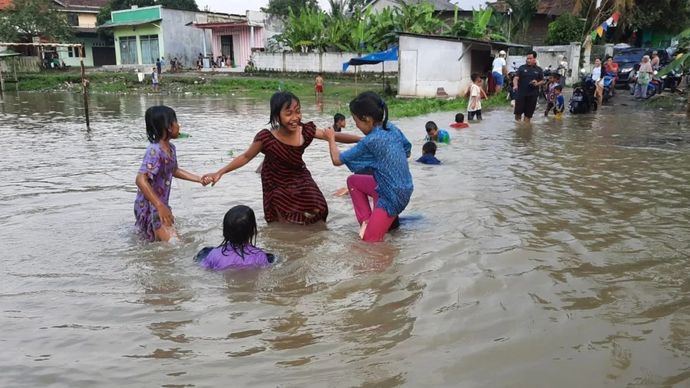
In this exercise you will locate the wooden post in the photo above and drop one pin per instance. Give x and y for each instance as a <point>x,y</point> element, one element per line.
<point>2,87</point>
<point>84,87</point>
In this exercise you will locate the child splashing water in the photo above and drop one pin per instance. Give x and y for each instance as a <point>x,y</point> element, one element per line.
<point>154,217</point>
<point>237,249</point>
<point>384,149</point>
<point>290,193</point>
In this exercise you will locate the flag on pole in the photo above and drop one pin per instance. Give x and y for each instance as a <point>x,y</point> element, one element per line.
<point>600,31</point>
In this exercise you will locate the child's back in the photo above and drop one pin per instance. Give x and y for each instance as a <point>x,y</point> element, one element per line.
<point>221,258</point>
<point>236,250</point>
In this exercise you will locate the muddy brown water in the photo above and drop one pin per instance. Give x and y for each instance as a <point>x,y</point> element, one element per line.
<point>555,255</point>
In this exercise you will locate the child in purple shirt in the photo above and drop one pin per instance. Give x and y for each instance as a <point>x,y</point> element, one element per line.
<point>154,218</point>
<point>237,249</point>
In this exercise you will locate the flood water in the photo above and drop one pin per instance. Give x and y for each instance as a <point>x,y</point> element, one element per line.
<point>556,255</point>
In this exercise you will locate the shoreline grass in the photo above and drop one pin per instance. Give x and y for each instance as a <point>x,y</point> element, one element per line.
<point>339,90</point>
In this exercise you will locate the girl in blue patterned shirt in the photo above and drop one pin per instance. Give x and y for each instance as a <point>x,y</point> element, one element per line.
<point>384,150</point>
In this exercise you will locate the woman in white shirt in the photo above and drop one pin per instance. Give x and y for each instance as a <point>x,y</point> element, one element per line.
<point>598,73</point>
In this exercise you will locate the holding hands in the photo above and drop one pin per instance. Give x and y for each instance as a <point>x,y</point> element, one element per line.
<point>211,178</point>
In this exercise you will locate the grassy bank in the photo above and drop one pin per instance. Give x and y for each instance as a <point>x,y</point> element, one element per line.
<point>339,90</point>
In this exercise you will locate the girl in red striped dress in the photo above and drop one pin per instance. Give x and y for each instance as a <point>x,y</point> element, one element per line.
<point>290,193</point>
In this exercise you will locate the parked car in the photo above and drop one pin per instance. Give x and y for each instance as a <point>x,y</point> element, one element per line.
<point>628,58</point>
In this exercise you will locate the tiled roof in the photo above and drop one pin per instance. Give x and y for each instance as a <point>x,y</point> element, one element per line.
<point>5,3</point>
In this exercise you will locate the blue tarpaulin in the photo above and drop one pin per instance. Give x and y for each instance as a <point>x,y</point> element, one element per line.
<point>371,59</point>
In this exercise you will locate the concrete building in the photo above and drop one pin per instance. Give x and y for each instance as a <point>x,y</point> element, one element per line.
<point>234,36</point>
<point>547,11</point>
<point>81,15</point>
<point>144,34</point>
<point>429,62</point>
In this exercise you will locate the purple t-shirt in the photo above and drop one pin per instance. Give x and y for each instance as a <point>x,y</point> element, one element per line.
<point>217,260</point>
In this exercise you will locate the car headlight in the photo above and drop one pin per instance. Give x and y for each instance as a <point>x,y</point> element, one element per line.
<point>626,69</point>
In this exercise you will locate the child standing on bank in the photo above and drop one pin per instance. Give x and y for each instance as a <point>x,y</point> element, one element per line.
<point>384,149</point>
<point>154,79</point>
<point>474,105</point>
<point>290,193</point>
<point>237,249</point>
<point>154,218</point>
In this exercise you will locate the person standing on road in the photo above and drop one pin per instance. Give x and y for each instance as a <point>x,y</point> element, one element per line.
<point>526,84</point>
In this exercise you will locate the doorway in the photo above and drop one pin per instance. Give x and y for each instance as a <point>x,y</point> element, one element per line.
<point>226,47</point>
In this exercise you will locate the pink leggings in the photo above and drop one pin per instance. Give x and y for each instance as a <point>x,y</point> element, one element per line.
<point>361,188</point>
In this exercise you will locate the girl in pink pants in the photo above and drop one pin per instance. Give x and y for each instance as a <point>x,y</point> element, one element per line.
<point>383,150</point>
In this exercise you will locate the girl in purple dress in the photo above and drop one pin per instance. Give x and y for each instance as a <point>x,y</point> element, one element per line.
<point>237,249</point>
<point>153,214</point>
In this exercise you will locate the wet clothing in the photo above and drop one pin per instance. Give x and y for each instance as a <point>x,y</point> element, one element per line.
<point>527,94</point>
<point>459,125</point>
<point>442,136</point>
<point>363,187</point>
<point>221,258</point>
<point>560,104</point>
<point>477,114</point>
<point>428,159</point>
<point>385,152</point>
<point>526,75</point>
<point>159,168</point>
<point>290,193</point>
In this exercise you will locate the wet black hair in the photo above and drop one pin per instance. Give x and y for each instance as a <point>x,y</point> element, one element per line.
<point>280,100</point>
<point>338,117</point>
<point>369,104</point>
<point>459,118</point>
<point>429,148</point>
<point>158,120</point>
<point>532,53</point>
<point>239,229</point>
<point>559,87</point>
<point>475,76</point>
<point>429,126</point>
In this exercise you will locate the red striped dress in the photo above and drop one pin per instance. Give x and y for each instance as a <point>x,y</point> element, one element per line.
<point>290,193</point>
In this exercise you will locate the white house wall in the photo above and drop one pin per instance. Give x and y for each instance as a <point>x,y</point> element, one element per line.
<point>182,41</point>
<point>314,63</point>
<point>427,64</point>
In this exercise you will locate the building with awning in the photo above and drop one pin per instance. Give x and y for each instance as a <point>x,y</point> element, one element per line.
<point>234,36</point>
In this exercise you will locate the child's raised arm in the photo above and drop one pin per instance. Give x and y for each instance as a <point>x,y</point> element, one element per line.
<point>340,137</point>
<point>236,163</point>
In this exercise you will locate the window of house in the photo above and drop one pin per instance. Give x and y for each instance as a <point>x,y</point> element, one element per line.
<point>149,48</point>
<point>72,19</point>
<point>128,50</point>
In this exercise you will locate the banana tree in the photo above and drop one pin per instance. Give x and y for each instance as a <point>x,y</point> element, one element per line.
<point>682,61</point>
<point>304,32</point>
<point>477,27</point>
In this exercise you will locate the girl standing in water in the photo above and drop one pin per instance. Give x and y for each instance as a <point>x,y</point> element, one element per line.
<point>384,149</point>
<point>290,193</point>
<point>154,217</point>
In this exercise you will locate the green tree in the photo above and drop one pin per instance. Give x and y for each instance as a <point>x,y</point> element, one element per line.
<point>116,5</point>
<point>29,19</point>
<point>670,16</point>
<point>304,31</point>
<point>682,60</point>
<point>185,5</point>
<point>281,8</point>
<point>479,27</point>
<point>565,29</point>
<point>522,13</point>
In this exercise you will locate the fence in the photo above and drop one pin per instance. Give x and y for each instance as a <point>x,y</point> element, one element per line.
<point>314,63</point>
<point>21,64</point>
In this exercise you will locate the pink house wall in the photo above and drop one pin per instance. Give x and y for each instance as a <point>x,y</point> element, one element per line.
<point>241,44</point>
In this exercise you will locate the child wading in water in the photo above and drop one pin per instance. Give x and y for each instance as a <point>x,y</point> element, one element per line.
<point>237,249</point>
<point>290,193</point>
<point>154,217</point>
<point>384,149</point>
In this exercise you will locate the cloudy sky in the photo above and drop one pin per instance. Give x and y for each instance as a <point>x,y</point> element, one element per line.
<point>240,6</point>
